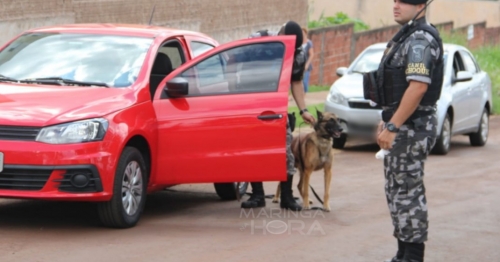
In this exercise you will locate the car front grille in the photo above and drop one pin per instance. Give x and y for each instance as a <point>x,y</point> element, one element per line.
<point>24,178</point>
<point>362,105</point>
<point>19,133</point>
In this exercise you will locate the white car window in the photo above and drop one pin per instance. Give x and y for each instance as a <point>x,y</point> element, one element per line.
<point>200,48</point>
<point>368,61</point>
<point>458,64</point>
<point>470,65</point>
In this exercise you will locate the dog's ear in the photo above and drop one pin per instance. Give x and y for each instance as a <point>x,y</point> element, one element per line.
<point>319,114</point>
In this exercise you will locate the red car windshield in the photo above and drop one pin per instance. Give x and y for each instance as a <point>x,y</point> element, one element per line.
<point>113,60</point>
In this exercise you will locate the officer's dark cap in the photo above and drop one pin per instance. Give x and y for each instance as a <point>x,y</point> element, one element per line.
<point>414,2</point>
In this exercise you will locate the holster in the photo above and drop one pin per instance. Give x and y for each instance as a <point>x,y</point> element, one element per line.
<point>371,91</point>
<point>395,84</point>
<point>387,115</point>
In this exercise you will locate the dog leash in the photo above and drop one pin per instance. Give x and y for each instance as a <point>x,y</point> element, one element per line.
<point>301,161</point>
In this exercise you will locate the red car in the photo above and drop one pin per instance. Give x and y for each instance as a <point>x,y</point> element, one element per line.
<point>108,113</point>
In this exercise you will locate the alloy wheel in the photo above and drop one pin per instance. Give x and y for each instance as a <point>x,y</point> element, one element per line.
<point>132,188</point>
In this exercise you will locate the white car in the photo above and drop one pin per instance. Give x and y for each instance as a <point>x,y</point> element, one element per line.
<point>463,108</point>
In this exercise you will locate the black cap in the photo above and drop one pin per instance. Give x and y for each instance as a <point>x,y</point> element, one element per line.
<point>414,2</point>
<point>292,28</point>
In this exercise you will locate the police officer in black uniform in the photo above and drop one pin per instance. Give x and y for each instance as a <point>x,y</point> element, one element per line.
<point>407,85</point>
<point>287,200</point>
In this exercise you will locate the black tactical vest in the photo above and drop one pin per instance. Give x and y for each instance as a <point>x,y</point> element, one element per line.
<point>393,79</point>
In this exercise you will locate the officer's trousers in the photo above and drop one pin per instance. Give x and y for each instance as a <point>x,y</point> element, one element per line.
<point>404,179</point>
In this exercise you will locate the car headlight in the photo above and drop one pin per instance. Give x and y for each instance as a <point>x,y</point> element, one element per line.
<point>335,96</point>
<point>74,132</point>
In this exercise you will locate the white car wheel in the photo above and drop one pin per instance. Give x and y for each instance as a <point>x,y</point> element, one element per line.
<point>442,145</point>
<point>481,136</point>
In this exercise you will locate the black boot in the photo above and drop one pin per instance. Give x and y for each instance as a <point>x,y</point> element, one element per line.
<point>257,198</point>
<point>414,252</point>
<point>287,200</point>
<point>400,254</point>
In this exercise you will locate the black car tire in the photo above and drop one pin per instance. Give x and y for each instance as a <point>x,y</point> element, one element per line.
<point>481,136</point>
<point>442,145</point>
<point>339,143</point>
<point>113,213</point>
<point>227,191</point>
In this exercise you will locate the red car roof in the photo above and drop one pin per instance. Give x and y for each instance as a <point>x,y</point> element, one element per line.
<point>117,29</point>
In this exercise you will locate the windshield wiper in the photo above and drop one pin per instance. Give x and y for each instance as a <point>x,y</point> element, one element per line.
<point>359,72</point>
<point>61,81</point>
<point>6,78</point>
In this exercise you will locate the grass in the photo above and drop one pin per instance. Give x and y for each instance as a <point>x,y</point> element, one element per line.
<point>488,58</point>
<point>314,88</point>
<point>458,39</point>
<point>339,19</point>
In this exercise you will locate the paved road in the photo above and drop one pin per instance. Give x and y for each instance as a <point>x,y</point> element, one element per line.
<point>190,223</point>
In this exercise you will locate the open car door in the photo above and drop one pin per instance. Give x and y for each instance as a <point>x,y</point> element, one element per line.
<point>222,116</point>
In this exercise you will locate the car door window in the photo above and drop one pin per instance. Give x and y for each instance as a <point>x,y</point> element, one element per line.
<point>174,52</point>
<point>170,56</point>
<point>458,65</point>
<point>470,65</point>
<point>210,71</point>
<point>246,69</point>
<point>199,48</point>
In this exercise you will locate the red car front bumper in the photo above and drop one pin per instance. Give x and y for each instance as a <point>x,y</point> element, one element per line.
<point>75,172</point>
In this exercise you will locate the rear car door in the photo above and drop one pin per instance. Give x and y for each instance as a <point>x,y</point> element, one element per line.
<point>231,124</point>
<point>461,99</point>
<point>475,90</point>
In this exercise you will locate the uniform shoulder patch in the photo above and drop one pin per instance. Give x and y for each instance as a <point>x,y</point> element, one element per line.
<point>417,53</point>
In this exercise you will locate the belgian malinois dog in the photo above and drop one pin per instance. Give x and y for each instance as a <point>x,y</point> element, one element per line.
<point>313,151</point>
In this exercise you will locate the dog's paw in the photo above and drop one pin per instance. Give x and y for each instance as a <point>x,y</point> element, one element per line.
<point>275,200</point>
<point>327,208</point>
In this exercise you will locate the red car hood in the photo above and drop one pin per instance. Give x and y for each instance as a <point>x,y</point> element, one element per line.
<point>43,105</point>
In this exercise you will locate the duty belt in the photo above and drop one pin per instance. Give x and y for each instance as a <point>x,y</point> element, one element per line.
<point>388,113</point>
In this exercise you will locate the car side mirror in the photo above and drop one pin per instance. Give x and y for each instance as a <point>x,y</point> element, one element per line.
<point>177,87</point>
<point>463,76</point>
<point>341,71</point>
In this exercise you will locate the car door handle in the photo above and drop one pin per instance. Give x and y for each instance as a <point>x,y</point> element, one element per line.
<point>270,117</point>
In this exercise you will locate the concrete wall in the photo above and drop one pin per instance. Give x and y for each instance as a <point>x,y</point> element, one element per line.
<point>222,19</point>
<point>378,13</point>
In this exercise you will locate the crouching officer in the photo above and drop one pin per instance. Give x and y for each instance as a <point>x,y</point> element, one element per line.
<point>407,85</point>
<point>287,200</point>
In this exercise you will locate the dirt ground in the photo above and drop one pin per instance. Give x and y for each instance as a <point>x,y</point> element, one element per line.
<point>190,223</point>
